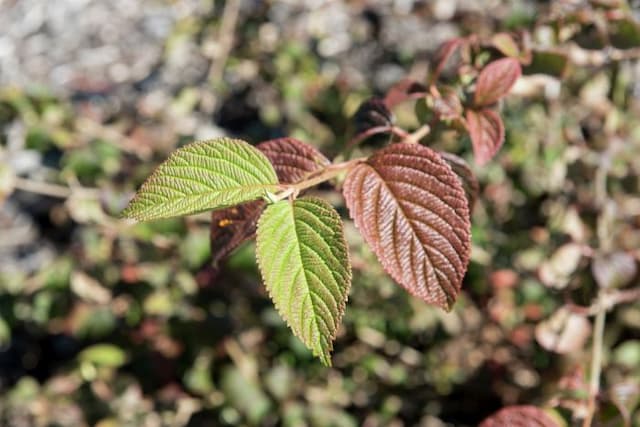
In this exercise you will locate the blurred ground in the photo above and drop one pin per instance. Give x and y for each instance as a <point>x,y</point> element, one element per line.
<point>103,323</point>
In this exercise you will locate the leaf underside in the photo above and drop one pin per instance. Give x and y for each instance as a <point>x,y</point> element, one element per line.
<point>233,226</point>
<point>519,416</point>
<point>486,130</point>
<point>201,176</point>
<point>411,209</point>
<point>305,265</point>
<point>292,160</point>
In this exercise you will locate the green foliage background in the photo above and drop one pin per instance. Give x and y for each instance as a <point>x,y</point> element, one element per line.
<point>105,323</point>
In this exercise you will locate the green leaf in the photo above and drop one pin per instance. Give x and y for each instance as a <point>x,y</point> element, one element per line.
<point>305,265</point>
<point>201,176</point>
<point>104,355</point>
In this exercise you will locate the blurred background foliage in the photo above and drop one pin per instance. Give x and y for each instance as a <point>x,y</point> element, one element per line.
<point>111,324</point>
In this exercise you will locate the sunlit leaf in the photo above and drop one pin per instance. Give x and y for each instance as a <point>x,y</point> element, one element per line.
<point>201,176</point>
<point>305,266</point>
<point>411,209</point>
<point>292,160</point>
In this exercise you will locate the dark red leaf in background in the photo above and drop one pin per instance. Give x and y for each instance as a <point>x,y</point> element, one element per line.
<point>292,159</point>
<point>445,52</point>
<point>465,175</point>
<point>519,416</point>
<point>402,91</point>
<point>486,130</point>
<point>412,211</point>
<point>496,80</point>
<point>372,113</point>
<point>231,227</point>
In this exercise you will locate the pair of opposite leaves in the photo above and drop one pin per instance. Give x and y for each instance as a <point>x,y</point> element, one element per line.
<point>405,199</point>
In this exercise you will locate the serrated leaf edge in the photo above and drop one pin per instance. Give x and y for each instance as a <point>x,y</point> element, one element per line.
<point>316,351</point>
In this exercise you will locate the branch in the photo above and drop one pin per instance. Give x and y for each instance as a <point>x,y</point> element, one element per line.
<point>316,178</point>
<point>48,189</point>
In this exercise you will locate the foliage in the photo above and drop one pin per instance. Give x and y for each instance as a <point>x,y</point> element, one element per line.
<point>104,322</point>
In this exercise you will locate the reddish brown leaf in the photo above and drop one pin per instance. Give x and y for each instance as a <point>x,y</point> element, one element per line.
<point>487,133</point>
<point>445,52</point>
<point>465,175</point>
<point>411,209</point>
<point>404,90</point>
<point>495,81</point>
<point>292,160</point>
<point>446,103</point>
<point>519,416</point>
<point>233,226</point>
<point>372,113</point>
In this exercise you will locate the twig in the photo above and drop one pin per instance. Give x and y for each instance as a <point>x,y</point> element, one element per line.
<point>314,179</point>
<point>596,366</point>
<point>226,37</point>
<point>51,190</point>
<point>417,135</point>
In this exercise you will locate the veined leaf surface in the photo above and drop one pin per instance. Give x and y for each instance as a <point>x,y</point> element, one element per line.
<point>292,160</point>
<point>305,266</point>
<point>201,176</point>
<point>411,209</point>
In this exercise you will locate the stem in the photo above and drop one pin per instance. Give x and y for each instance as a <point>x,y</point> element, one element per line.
<point>417,135</point>
<point>596,365</point>
<point>314,179</point>
<point>44,188</point>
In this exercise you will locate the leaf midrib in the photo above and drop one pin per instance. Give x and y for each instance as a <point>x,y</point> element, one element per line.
<point>304,274</point>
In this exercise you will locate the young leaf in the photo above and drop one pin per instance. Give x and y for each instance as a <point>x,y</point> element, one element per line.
<point>402,91</point>
<point>465,175</point>
<point>411,209</point>
<point>201,176</point>
<point>292,159</point>
<point>495,81</point>
<point>305,266</point>
<point>446,103</point>
<point>520,416</point>
<point>445,53</point>
<point>486,130</point>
